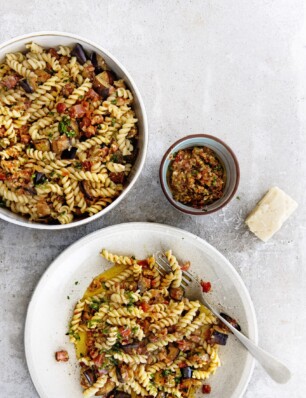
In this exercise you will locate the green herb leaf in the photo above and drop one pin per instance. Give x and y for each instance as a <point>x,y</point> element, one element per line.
<point>94,306</point>
<point>114,101</point>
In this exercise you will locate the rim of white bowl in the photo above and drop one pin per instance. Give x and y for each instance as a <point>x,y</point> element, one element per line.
<point>141,155</point>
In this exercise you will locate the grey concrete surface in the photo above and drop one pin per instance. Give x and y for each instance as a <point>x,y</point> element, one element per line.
<point>233,68</point>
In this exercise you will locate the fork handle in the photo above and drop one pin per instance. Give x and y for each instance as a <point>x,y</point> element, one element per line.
<point>275,369</point>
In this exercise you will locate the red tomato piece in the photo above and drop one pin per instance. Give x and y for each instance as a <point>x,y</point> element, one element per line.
<point>206,286</point>
<point>87,165</point>
<point>145,306</point>
<point>206,389</point>
<point>142,262</point>
<point>99,360</point>
<point>61,107</point>
<point>125,332</point>
<point>77,111</point>
<point>185,266</point>
<point>2,176</point>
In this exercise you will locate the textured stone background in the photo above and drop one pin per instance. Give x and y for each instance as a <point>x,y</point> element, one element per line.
<point>233,68</point>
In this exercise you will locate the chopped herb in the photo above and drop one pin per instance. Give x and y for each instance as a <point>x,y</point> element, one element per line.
<point>194,172</point>
<point>90,324</point>
<point>238,197</point>
<point>75,335</point>
<point>64,127</point>
<point>114,159</point>
<point>214,181</point>
<point>114,101</point>
<point>119,337</point>
<point>2,204</point>
<point>94,306</point>
<point>166,372</point>
<point>113,361</point>
<point>76,282</point>
<point>68,298</point>
<point>51,113</point>
<point>113,122</point>
<point>78,165</point>
<point>99,126</point>
<point>70,133</point>
<point>134,329</point>
<point>130,296</point>
<point>130,307</point>
<point>81,96</point>
<point>116,348</point>
<point>177,380</point>
<point>105,331</point>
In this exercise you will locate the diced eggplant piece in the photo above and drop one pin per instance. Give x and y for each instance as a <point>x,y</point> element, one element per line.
<point>176,293</point>
<point>84,186</point>
<point>62,356</point>
<point>94,60</point>
<point>90,376</point>
<point>60,144</point>
<point>108,76</point>
<point>26,86</point>
<point>103,92</point>
<point>106,389</point>
<point>42,145</point>
<point>119,376</point>
<point>79,52</point>
<point>121,394</point>
<point>117,178</point>
<point>69,153</point>
<point>10,81</point>
<point>173,352</point>
<point>131,348</point>
<point>100,83</point>
<point>217,337</point>
<point>43,209</point>
<point>39,178</point>
<point>143,284</point>
<point>232,321</point>
<point>186,372</point>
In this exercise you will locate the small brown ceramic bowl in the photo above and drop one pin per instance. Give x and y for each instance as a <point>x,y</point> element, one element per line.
<point>223,152</point>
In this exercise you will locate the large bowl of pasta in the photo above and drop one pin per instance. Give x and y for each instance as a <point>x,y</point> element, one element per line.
<point>73,131</point>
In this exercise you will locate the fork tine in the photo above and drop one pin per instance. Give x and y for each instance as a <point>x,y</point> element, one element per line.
<point>164,264</point>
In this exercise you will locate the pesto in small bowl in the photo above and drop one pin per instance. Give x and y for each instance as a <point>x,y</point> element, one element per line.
<point>196,176</point>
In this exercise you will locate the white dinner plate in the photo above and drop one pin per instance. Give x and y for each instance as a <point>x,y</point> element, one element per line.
<point>68,276</point>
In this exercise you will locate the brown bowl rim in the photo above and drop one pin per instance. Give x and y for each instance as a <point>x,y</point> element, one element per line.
<point>202,213</point>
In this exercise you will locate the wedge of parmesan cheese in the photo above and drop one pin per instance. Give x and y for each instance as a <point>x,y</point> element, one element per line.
<point>270,213</point>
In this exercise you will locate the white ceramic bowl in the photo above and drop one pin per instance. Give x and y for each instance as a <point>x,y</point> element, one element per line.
<point>49,310</point>
<point>53,39</point>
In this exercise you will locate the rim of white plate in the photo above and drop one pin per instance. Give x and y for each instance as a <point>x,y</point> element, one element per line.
<point>56,263</point>
<point>142,155</point>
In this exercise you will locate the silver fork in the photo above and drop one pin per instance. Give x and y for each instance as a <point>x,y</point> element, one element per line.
<point>275,369</point>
